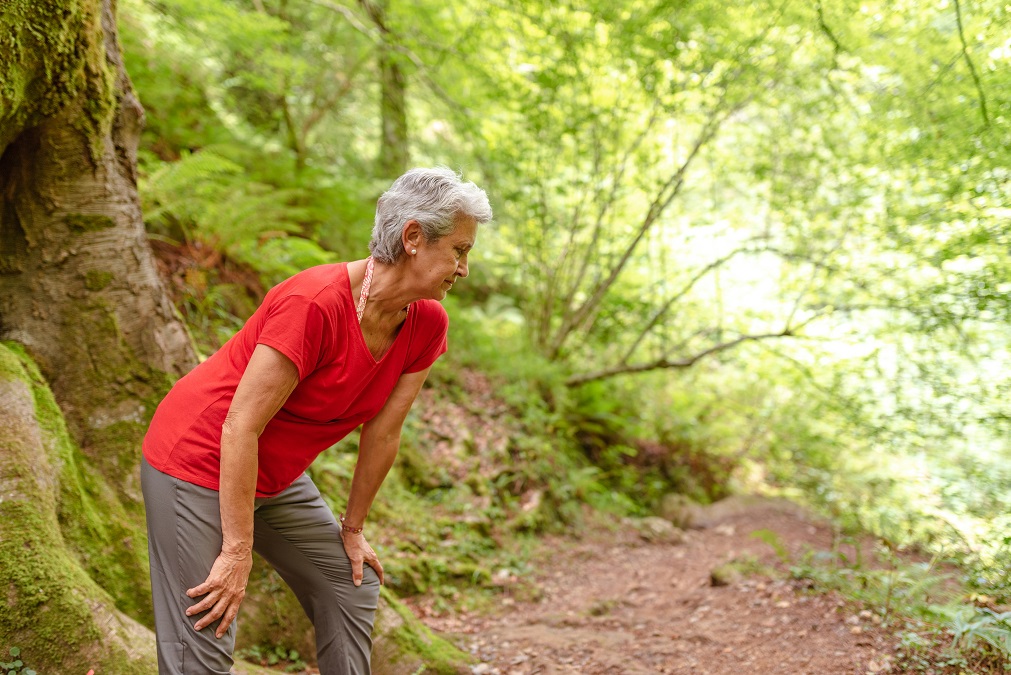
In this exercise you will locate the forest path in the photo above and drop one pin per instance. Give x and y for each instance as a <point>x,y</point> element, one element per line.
<point>617,604</point>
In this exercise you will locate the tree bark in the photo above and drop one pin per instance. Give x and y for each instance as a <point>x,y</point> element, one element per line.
<point>393,151</point>
<point>78,284</point>
<point>81,298</point>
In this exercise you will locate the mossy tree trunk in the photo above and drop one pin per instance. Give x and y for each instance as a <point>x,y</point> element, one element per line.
<point>78,284</point>
<point>81,298</point>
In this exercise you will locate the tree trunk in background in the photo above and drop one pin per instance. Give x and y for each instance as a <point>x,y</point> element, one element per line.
<point>393,152</point>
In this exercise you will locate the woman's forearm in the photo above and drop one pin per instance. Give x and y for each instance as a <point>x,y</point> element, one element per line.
<point>237,489</point>
<point>376,453</point>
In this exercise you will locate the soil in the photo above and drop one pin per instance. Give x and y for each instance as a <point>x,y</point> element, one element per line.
<point>614,603</point>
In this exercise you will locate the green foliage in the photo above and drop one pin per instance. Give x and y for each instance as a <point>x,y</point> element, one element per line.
<point>984,625</point>
<point>942,633</point>
<point>275,656</point>
<point>773,540</point>
<point>16,666</point>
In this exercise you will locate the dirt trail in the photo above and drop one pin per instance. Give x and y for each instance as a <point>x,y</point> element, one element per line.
<point>621,605</point>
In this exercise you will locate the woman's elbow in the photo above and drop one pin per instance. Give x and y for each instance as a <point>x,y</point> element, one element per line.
<point>234,428</point>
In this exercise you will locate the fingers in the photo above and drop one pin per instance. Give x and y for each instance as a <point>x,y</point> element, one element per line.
<point>374,564</point>
<point>233,611</point>
<point>223,591</point>
<point>205,604</point>
<point>216,613</point>
<point>226,609</point>
<point>356,571</point>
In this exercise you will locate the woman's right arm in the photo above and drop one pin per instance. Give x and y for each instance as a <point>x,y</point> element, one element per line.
<point>268,380</point>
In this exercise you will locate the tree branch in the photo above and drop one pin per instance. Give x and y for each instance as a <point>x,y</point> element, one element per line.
<point>663,309</point>
<point>972,68</point>
<point>665,195</point>
<point>664,363</point>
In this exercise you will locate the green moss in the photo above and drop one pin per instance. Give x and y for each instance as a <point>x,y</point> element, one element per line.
<point>107,539</point>
<point>54,608</point>
<point>11,362</point>
<point>80,223</point>
<point>416,641</point>
<point>53,56</point>
<point>96,280</point>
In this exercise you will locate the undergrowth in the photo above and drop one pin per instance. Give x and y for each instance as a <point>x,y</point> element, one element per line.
<point>941,627</point>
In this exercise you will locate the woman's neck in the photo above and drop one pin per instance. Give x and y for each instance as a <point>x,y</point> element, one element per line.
<point>389,293</point>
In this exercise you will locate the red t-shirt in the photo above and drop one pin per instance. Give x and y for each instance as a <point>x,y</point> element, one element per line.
<point>311,319</point>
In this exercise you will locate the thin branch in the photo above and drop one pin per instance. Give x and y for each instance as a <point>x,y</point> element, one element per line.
<point>664,363</point>
<point>972,67</point>
<point>665,307</point>
<point>664,197</point>
<point>828,31</point>
<point>378,38</point>
<point>605,208</point>
<point>350,16</point>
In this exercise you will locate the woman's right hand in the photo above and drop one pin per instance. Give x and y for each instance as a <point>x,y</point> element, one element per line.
<point>223,591</point>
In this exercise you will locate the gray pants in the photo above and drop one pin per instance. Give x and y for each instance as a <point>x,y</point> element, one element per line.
<point>295,532</point>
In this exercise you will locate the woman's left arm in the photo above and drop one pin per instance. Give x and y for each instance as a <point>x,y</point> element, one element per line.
<point>377,449</point>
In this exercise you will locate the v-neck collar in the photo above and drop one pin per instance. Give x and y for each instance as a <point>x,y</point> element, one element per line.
<point>353,313</point>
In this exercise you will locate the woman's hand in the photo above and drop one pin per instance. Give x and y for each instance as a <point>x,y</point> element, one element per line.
<point>359,551</point>
<point>223,591</point>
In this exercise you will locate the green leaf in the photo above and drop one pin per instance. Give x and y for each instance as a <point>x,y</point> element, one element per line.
<point>15,651</point>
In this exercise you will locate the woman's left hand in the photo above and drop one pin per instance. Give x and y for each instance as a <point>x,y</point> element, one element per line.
<point>359,551</point>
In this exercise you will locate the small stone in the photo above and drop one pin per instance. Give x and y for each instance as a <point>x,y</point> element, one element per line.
<point>480,669</point>
<point>724,575</point>
<point>659,531</point>
<point>681,511</point>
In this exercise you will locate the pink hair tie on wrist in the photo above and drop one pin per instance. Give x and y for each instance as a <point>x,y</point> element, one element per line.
<point>348,528</point>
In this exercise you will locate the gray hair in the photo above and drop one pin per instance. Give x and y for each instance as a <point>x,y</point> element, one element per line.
<point>433,197</point>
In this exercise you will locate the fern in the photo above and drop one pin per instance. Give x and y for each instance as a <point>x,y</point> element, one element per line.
<point>986,625</point>
<point>208,197</point>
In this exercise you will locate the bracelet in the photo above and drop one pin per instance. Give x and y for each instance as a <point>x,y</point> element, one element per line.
<point>348,528</point>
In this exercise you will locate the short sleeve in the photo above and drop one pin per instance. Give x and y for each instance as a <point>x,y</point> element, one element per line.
<point>432,331</point>
<point>294,326</point>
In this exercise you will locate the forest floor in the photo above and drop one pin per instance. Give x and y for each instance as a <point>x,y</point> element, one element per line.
<point>614,603</point>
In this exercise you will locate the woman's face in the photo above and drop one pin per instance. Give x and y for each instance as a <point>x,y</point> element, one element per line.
<point>438,264</point>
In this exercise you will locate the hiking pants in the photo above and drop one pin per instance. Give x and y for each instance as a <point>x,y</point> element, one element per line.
<point>295,532</point>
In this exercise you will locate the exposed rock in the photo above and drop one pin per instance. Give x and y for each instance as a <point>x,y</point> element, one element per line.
<point>402,645</point>
<point>679,510</point>
<point>659,531</point>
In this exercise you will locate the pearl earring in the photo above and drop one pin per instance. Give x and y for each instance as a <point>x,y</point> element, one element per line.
<point>413,251</point>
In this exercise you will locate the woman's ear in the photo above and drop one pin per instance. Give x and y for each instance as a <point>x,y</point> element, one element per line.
<point>412,236</point>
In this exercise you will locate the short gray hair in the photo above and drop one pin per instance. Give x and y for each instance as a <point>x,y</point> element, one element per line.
<point>433,197</point>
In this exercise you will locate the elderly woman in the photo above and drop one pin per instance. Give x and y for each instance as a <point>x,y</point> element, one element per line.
<point>331,348</point>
